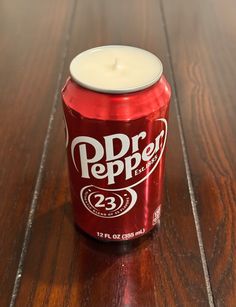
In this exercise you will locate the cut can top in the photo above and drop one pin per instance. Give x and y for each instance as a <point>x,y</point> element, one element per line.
<point>116,69</point>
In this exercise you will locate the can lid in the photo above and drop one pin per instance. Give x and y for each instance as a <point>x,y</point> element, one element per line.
<point>116,69</point>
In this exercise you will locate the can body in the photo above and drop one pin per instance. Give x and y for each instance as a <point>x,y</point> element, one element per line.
<point>116,152</point>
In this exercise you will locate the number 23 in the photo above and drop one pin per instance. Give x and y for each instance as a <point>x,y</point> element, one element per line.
<point>110,202</point>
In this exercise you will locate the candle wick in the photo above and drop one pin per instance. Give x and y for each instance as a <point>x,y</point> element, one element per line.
<point>115,65</point>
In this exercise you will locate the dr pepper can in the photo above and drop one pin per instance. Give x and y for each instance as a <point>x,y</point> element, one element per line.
<point>116,132</point>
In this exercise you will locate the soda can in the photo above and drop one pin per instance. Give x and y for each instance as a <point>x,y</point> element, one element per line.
<point>116,143</point>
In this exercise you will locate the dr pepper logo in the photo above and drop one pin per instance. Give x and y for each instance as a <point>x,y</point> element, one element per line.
<point>115,164</point>
<point>118,157</point>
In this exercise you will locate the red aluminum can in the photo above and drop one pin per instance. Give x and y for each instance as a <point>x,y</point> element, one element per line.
<point>116,151</point>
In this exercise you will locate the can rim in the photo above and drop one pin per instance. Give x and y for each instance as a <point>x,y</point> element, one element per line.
<point>117,90</point>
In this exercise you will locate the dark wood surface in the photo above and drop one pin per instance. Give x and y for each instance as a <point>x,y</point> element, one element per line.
<point>33,39</point>
<point>45,261</point>
<point>206,63</point>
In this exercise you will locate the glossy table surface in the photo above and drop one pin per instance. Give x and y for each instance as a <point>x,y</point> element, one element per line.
<point>44,260</point>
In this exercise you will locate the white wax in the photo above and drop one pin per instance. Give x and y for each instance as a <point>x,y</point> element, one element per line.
<point>116,69</point>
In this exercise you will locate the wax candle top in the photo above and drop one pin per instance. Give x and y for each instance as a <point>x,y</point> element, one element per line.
<point>116,69</point>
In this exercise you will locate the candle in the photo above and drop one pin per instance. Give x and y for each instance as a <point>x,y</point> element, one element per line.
<point>116,69</point>
<point>116,143</point>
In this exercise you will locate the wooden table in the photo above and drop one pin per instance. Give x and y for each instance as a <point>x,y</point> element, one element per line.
<point>44,261</point>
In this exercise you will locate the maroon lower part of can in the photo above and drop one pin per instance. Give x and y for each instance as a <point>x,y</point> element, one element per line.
<point>116,166</point>
<point>135,224</point>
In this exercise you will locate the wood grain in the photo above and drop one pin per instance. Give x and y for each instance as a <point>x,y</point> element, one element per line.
<point>204,67</point>
<point>32,44</point>
<point>63,267</point>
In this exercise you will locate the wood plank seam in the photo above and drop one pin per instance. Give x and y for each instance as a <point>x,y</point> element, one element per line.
<point>40,174</point>
<point>186,164</point>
